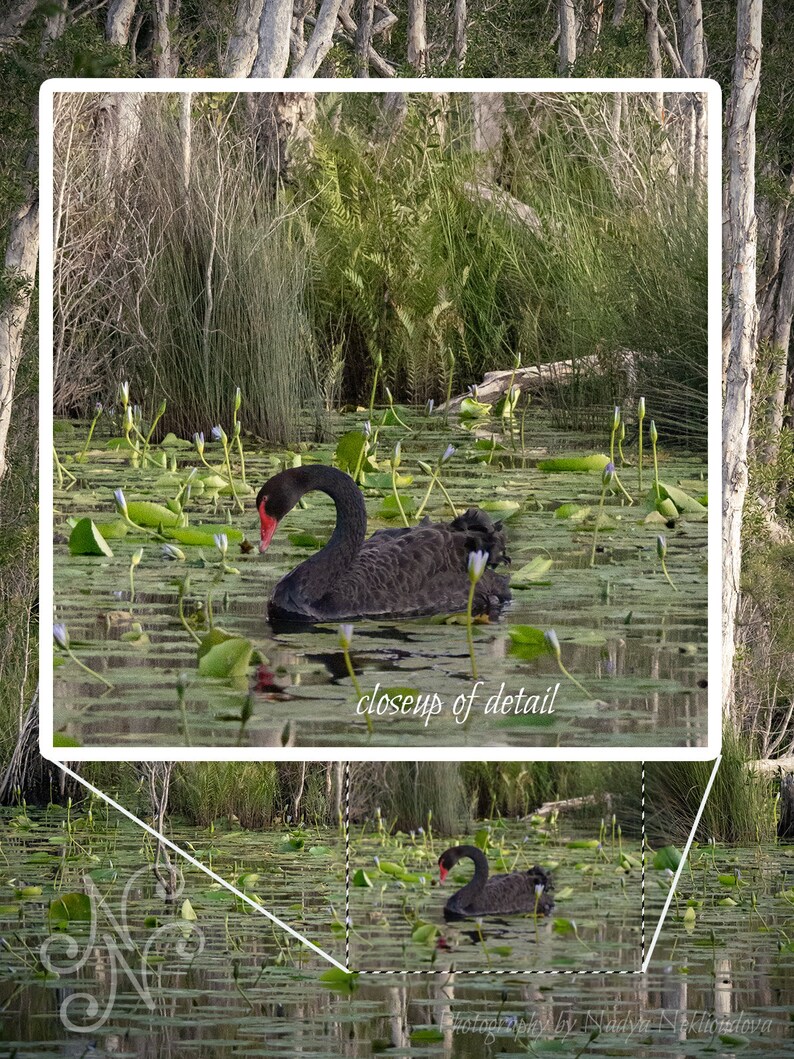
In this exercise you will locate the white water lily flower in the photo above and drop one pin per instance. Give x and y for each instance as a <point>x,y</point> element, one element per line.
<point>477,563</point>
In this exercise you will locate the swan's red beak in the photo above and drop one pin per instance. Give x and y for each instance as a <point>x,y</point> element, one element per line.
<point>442,872</point>
<point>269,527</point>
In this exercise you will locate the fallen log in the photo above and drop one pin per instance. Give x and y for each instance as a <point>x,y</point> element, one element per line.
<point>539,376</point>
<point>568,805</point>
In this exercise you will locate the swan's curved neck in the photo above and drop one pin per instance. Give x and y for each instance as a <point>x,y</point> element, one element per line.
<point>475,886</point>
<point>351,516</point>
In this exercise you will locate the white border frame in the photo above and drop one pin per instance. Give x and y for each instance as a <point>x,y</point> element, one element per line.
<point>558,86</point>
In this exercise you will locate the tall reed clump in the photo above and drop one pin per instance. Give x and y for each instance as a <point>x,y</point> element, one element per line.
<point>204,792</point>
<point>222,293</point>
<point>421,251</point>
<point>415,793</point>
<point>740,808</point>
<point>518,788</point>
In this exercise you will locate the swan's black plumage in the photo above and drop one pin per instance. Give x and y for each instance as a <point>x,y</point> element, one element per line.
<point>513,894</point>
<point>395,573</point>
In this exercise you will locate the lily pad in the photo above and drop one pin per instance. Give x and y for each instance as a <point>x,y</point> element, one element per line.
<point>229,658</point>
<point>349,451</point>
<point>668,857</point>
<point>583,464</point>
<point>85,539</point>
<point>71,908</point>
<point>147,513</point>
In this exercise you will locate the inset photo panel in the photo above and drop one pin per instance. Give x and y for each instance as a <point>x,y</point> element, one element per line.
<point>384,418</point>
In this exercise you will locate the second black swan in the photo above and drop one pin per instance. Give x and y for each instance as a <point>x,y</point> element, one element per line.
<point>513,894</point>
<point>395,573</point>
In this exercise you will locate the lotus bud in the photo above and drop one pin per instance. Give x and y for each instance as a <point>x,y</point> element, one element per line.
<point>429,407</point>
<point>219,434</point>
<point>121,502</point>
<point>136,557</point>
<point>641,409</point>
<point>661,546</point>
<point>346,636</point>
<point>608,474</point>
<point>367,428</point>
<point>378,358</point>
<point>170,551</point>
<point>616,417</point>
<point>389,397</point>
<point>124,393</point>
<point>653,432</point>
<point>396,458</point>
<point>128,417</point>
<point>517,359</point>
<point>162,408</point>
<point>198,440</point>
<point>477,562</point>
<point>238,399</point>
<point>61,636</point>
<point>449,452</point>
<point>553,643</point>
<point>221,543</point>
<point>237,428</point>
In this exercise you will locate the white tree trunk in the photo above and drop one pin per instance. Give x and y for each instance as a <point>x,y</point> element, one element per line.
<point>186,137</point>
<point>244,40</point>
<point>118,21</point>
<point>21,256</point>
<point>274,35</point>
<point>165,59</point>
<point>743,310</point>
<point>320,41</point>
<point>619,12</point>
<point>13,22</point>
<point>693,50</point>
<point>417,34</point>
<point>654,52</point>
<point>366,16</point>
<point>460,43</point>
<point>567,48</point>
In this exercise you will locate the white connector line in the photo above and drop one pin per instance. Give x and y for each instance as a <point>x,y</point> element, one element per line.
<point>684,857</point>
<point>203,867</point>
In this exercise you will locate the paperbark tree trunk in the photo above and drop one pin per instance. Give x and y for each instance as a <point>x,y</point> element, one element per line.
<point>275,25</point>
<point>366,16</point>
<point>20,262</point>
<point>459,42</point>
<point>488,129</point>
<point>118,21</point>
<point>654,52</point>
<point>619,12</point>
<point>320,41</point>
<point>592,21</point>
<point>417,34</point>
<point>743,316</point>
<point>13,22</point>
<point>165,59</point>
<point>567,46</point>
<point>244,40</point>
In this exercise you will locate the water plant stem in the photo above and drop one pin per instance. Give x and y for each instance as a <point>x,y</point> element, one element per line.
<point>94,422</point>
<point>60,470</point>
<point>85,668</point>
<point>469,633</point>
<point>181,610</point>
<point>554,644</point>
<point>394,490</point>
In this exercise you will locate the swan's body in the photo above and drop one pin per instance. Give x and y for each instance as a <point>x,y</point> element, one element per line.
<point>395,573</point>
<point>513,894</point>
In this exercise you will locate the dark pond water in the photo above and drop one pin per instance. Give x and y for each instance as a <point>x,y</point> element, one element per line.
<point>223,981</point>
<point>638,647</point>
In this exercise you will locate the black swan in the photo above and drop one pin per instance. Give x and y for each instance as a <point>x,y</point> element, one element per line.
<point>395,573</point>
<point>520,891</point>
